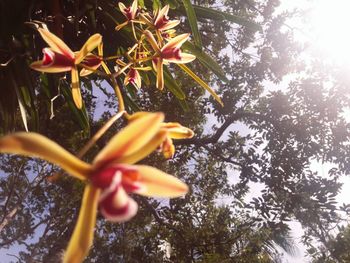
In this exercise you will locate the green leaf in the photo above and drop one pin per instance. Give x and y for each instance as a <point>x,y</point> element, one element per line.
<point>141,3</point>
<point>172,85</point>
<point>192,19</point>
<point>206,60</point>
<point>22,108</point>
<point>173,4</point>
<point>201,82</point>
<point>184,105</point>
<point>131,104</point>
<point>25,96</point>
<point>213,14</point>
<point>156,5</point>
<point>80,115</point>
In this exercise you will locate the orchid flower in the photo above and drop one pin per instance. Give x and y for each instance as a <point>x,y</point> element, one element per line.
<point>60,58</point>
<point>162,21</point>
<point>174,131</point>
<point>133,77</point>
<point>129,12</point>
<point>168,34</point>
<point>170,52</point>
<point>109,178</point>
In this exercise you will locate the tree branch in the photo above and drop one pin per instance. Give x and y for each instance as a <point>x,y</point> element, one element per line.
<point>227,123</point>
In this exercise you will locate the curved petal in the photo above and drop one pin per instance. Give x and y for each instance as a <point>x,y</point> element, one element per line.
<point>120,26</point>
<point>76,89</point>
<point>81,240</point>
<point>170,24</point>
<point>133,9</point>
<point>93,62</point>
<point>152,40</point>
<point>184,58</point>
<point>85,72</point>
<point>168,148</point>
<point>176,42</point>
<point>89,46</point>
<point>56,43</point>
<point>137,115</point>
<point>137,79</point>
<point>131,139</point>
<point>38,66</point>
<point>177,131</point>
<point>161,13</point>
<point>122,7</point>
<point>36,145</point>
<point>159,184</point>
<point>146,149</point>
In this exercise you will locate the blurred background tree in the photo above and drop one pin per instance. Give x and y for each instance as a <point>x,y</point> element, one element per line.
<point>262,143</point>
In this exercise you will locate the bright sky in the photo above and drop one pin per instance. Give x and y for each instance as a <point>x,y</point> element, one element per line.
<point>325,25</point>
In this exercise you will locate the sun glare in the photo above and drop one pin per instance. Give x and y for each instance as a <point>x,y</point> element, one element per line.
<point>329,29</point>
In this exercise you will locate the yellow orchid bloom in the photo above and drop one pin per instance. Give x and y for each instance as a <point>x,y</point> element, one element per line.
<point>110,177</point>
<point>170,52</point>
<point>129,12</point>
<point>60,58</point>
<point>174,131</point>
<point>133,77</point>
<point>162,21</point>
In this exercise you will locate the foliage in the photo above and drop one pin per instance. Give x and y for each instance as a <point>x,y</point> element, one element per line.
<point>259,137</point>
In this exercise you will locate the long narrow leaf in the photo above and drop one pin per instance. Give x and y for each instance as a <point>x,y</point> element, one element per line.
<point>172,85</point>
<point>206,60</point>
<point>201,82</point>
<point>22,109</point>
<point>213,14</point>
<point>80,115</point>
<point>192,19</point>
<point>172,3</point>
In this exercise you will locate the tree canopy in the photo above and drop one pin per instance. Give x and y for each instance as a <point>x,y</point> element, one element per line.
<point>261,114</point>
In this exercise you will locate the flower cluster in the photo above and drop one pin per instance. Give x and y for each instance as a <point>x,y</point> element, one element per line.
<point>111,177</point>
<point>156,44</point>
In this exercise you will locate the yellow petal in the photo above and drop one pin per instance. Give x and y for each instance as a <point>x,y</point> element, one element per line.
<point>176,42</point>
<point>159,184</point>
<point>36,145</point>
<point>137,115</point>
<point>177,131</point>
<point>120,26</point>
<point>89,46</point>
<point>147,149</point>
<point>76,89</point>
<point>56,43</point>
<point>138,79</point>
<point>81,240</point>
<point>184,58</point>
<point>152,40</point>
<point>161,13</point>
<point>160,77</point>
<point>131,139</point>
<point>122,7</point>
<point>85,72</point>
<point>38,66</point>
<point>168,148</point>
<point>169,24</point>
<point>134,8</point>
